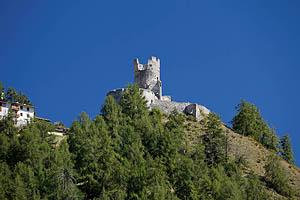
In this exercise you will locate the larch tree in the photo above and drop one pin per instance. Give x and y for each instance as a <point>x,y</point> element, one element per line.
<point>286,151</point>
<point>214,140</point>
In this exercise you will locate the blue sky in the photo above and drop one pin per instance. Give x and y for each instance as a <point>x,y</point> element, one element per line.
<point>66,55</point>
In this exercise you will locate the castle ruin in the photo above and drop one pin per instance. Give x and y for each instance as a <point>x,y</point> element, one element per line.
<point>147,77</point>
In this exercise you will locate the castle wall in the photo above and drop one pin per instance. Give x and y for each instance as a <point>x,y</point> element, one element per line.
<point>166,98</point>
<point>117,94</point>
<point>147,77</point>
<point>165,105</point>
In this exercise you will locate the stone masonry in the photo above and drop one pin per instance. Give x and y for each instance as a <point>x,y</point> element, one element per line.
<point>147,77</point>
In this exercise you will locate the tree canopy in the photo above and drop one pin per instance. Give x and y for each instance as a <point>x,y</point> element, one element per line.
<point>249,122</point>
<point>12,95</point>
<point>126,152</point>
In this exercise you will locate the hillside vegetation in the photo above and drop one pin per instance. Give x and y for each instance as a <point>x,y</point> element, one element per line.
<point>254,155</point>
<point>129,152</point>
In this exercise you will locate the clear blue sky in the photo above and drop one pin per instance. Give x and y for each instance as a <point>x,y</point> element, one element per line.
<point>66,55</point>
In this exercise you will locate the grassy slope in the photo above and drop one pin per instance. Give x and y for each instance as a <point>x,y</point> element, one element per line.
<point>253,152</point>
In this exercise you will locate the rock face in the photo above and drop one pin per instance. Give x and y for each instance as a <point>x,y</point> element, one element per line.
<point>147,77</point>
<point>187,108</point>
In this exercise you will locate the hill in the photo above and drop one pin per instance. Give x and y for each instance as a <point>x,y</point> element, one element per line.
<point>253,152</point>
<point>131,152</point>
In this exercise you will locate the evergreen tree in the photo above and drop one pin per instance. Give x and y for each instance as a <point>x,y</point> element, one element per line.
<point>249,122</point>
<point>6,181</point>
<point>286,149</point>
<point>22,98</point>
<point>214,140</point>
<point>112,113</point>
<point>276,177</point>
<point>274,141</point>
<point>253,188</point>
<point>77,139</point>
<point>133,103</point>
<point>20,190</point>
<point>11,94</point>
<point>25,182</point>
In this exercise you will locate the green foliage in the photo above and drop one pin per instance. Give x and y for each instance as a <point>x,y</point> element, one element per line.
<point>249,122</point>
<point>286,151</point>
<point>12,95</point>
<point>276,177</point>
<point>29,162</point>
<point>22,98</point>
<point>133,103</point>
<point>253,188</point>
<point>126,152</point>
<point>214,140</point>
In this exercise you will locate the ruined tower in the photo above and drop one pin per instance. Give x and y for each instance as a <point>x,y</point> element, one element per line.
<point>148,76</point>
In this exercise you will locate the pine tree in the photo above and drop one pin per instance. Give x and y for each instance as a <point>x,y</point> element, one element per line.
<point>286,149</point>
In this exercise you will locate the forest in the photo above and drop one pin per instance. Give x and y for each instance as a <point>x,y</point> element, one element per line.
<point>130,152</point>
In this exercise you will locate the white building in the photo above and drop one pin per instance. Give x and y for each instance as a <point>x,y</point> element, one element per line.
<point>22,113</point>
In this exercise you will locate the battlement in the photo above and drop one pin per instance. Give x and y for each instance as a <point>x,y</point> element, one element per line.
<point>148,76</point>
<point>153,64</point>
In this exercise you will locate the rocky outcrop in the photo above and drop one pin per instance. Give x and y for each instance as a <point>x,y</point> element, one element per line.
<point>188,108</point>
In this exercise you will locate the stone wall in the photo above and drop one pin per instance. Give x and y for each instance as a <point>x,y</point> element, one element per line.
<point>117,94</point>
<point>166,105</point>
<point>166,98</point>
<point>147,77</point>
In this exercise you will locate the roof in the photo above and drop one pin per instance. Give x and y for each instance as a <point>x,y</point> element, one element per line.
<point>40,118</point>
<point>17,103</point>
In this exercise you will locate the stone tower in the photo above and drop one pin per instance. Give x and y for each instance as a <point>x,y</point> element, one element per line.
<point>148,76</point>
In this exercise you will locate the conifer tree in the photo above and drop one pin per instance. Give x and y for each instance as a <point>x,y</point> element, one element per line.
<point>214,140</point>
<point>11,94</point>
<point>112,113</point>
<point>6,181</point>
<point>253,188</point>
<point>286,151</point>
<point>22,98</point>
<point>276,178</point>
<point>274,141</point>
<point>249,122</point>
<point>133,103</point>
